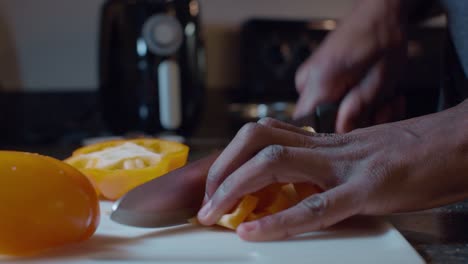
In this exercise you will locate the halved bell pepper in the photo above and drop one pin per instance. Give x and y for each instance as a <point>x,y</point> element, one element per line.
<point>115,167</point>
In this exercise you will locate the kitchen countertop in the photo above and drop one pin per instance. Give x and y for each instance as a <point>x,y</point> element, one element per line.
<point>440,235</point>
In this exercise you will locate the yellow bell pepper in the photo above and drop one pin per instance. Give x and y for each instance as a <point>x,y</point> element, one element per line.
<point>240,213</point>
<point>270,200</point>
<point>115,167</point>
<point>45,203</point>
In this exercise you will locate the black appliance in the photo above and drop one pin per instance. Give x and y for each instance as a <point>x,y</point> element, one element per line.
<point>273,49</point>
<point>151,66</point>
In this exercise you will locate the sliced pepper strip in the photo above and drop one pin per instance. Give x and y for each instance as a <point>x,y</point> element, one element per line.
<point>240,213</point>
<point>270,200</point>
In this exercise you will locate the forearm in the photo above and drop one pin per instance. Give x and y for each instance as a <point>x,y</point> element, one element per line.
<point>405,6</point>
<point>386,20</point>
<point>403,11</point>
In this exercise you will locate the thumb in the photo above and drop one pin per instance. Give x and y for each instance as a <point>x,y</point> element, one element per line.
<point>314,213</point>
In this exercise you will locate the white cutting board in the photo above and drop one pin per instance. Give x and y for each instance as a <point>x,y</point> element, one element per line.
<point>359,240</point>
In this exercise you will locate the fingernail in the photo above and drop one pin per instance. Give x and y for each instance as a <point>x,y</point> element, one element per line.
<point>249,227</point>
<point>203,213</point>
<point>205,199</point>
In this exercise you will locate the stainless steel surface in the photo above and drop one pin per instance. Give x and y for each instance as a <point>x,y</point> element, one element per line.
<point>165,201</point>
<point>150,219</point>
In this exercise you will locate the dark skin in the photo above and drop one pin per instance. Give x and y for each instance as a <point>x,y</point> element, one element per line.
<point>358,64</point>
<point>395,167</point>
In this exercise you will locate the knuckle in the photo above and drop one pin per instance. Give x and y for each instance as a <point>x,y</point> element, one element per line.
<point>273,153</point>
<point>249,130</point>
<point>315,205</point>
<point>267,121</point>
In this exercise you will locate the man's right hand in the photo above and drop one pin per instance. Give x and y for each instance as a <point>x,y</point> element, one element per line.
<point>358,64</point>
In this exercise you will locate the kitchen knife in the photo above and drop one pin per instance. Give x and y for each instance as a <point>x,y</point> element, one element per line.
<point>322,119</point>
<point>175,197</point>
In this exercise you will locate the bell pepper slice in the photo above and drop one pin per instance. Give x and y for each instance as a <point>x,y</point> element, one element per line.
<point>240,212</point>
<point>269,200</point>
<point>115,167</point>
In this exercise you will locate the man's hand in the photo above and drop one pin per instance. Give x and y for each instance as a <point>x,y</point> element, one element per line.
<point>398,167</point>
<point>358,64</point>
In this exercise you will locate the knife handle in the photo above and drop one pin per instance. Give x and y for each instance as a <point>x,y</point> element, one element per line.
<point>325,116</point>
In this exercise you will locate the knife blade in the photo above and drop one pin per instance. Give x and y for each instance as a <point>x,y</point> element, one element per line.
<point>175,197</point>
<point>168,200</point>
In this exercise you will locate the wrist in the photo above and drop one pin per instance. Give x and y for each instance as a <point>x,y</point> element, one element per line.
<point>439,126</point>
<point>442,149</point>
